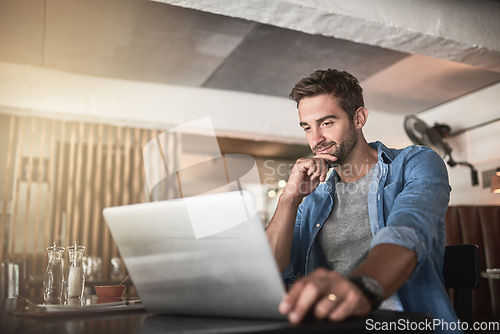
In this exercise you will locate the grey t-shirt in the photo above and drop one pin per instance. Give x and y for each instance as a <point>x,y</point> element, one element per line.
<point>346,235</point>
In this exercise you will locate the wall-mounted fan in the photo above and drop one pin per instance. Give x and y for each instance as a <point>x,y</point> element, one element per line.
<point>422,134</point>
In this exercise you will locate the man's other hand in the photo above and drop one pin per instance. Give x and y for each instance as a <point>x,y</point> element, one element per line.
<point>328,294</point>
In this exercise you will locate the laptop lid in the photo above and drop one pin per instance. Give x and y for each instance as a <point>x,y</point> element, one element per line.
<point>202,255</point>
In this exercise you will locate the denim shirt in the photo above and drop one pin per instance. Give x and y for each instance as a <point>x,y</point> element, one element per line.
<point>407,203</point>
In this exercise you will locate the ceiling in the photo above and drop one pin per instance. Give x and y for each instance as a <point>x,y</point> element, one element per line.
<point>162,43</point>
<point>157,42</point>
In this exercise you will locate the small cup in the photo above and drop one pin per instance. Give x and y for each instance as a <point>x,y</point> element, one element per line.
<point>109,291</point>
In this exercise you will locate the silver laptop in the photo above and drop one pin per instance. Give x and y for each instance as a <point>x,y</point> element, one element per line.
<point>204,255</point>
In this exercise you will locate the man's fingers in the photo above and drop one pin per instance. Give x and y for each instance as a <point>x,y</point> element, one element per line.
<point>288,301</point>
<point>318,170</point>
<point>327,157</point>
<point>345,308</point>
<point>325,161</point>
<point>315,168</point>
<point>326,305</point>
<point>328,293</point>
<point>324,171</point>
<point>312,168</point>
<point>306,298</point>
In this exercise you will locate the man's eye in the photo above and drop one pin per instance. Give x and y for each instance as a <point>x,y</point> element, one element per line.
<point>327,124</point>
<point>306,129</point>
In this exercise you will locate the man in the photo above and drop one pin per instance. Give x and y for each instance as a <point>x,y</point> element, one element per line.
<point>372,232</point>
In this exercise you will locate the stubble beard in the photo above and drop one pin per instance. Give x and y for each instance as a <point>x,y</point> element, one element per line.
<point>343,150</point>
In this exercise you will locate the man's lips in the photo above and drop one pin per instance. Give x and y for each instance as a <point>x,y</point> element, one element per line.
<point>323,150</point>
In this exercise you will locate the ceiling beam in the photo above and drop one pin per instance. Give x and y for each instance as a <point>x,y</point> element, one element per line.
<point>464,31</point>
<point>43,92</point>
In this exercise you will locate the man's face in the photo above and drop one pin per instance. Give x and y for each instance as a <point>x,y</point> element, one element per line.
<point>327,127</point>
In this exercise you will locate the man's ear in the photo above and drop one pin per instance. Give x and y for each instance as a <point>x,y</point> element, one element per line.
<point>360,117</point>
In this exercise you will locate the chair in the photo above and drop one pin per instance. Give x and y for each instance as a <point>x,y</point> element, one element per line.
<point>460,273</point>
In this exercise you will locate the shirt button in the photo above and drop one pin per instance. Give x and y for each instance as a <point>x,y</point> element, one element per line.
<point>317,225</point>
<point>378,197</point>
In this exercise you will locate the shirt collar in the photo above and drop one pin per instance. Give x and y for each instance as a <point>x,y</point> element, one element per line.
<point>384,154</point>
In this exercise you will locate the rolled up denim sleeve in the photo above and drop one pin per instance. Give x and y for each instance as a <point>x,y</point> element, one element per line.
<point>415,205</point>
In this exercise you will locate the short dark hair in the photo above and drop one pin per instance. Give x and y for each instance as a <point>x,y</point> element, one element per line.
<point>340,85</point>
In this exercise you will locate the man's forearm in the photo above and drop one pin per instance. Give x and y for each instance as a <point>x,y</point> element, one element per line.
<point>391,265</point>
<point>280,229</point>
<point>305,176</point>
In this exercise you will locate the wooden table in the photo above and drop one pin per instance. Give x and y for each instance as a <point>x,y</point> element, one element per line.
<point>140,321</point>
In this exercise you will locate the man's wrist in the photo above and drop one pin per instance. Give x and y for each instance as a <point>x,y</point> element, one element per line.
<point>291,199</point>
<point>372,289</point>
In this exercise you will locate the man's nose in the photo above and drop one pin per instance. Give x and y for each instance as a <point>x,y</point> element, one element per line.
<point>317,137</point>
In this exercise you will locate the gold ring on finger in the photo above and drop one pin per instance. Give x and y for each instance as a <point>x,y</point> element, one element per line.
<point>332,297</point>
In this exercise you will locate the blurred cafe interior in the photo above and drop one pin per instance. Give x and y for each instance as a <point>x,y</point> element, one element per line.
<point>86,85</point>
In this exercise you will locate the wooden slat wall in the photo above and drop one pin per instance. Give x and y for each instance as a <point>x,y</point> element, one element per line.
<point>96,198</point>
<point>6,192</point>
<point>17,192</point>
<point>39,198</point>
<point>87,167</point>
<point>59,184</point>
